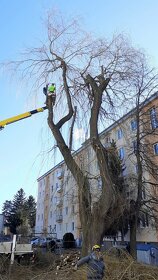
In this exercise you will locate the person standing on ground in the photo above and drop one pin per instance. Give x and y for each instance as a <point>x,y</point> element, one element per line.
<point>95,264</point>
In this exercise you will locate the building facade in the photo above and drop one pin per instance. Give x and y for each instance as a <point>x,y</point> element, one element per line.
<point>57,201</point>
<point>1,224</point>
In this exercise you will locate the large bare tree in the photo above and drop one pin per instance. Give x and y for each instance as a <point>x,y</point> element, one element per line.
<point>94,79</point>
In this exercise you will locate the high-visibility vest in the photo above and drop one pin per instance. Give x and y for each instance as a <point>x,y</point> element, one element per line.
<point>51,88</point>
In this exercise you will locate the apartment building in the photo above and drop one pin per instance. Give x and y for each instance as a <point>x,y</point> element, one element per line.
<point>57,201</point>
<point>1,224</point>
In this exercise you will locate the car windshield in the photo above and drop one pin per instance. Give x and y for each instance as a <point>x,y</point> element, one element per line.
<point>34,238</point>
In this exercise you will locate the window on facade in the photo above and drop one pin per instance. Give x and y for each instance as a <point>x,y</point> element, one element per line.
<point>66,210</point>
<point>55,228</point>
<point>153,118</point>
<point>56,186</point>
<point>99,183</point>
<point>143,195</point>
<point>121,153</point>
<point>134,146</point>
<point>60,227</point>
<point>124,170</point>
<point>52,188</point>
<point>119,133</point>
<point>107,139</point>
<point>66,226</point>
<point>51,214</point>
<point>42,217</point>
<point>107,142</point>
<point>38,217</point>
<point>144,220</point>
<point>136,168</point>
<point>73,226</point>
<point>73,209</point>
<point>156,148</point>
<point>133,125</point>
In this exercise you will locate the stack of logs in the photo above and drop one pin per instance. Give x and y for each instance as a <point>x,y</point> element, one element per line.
<point>68,261</point>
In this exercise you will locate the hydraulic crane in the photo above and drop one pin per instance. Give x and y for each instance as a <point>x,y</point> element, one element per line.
<point>49,90</point>
<point>21,117</point>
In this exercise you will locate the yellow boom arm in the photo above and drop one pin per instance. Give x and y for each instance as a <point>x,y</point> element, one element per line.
<point>21,117</point>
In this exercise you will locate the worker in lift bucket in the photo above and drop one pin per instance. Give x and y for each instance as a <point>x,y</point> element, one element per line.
<point>95,264</point>
<point>50,90</point>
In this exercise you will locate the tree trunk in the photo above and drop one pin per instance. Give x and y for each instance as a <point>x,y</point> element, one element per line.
<point>133,231</point>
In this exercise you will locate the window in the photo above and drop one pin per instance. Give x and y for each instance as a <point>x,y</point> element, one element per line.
<point>136,168</point>
<point>73,209</point>
<point>66,210</point>
<point>156,149</point>
<point>143,195</point>
<point>124,170</point>
<point>73,226</point>
<point>133,125</point>
<point>153,118</point>
<point>38,217</point>
<point>134,146</point>
<point>144,220</point>
<point>66,226</point>
<point>119,134</point>
<point>52,188</point>
<point>99,183</point>
<point>121,153</point>
<point>50,214</point>
<point>56,186</point>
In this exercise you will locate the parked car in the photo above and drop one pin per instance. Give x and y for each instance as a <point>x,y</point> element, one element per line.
<point>44,242</point>
<point>5,238</point>
<point>35,241</point>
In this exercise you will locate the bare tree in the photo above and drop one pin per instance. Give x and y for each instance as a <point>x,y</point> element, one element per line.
<point>96,76</point>
<point>145,197</point>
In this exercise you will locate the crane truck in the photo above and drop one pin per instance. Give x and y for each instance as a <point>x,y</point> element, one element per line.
<point>13,248</point>
<point>49,90</point>
<point>21,117</point>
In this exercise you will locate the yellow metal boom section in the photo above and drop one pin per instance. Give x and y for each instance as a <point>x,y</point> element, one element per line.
<point>21,117</point>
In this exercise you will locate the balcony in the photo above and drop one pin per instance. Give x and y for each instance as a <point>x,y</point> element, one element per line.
<point>60,174</point>
<point>107,145</point>
<point>59,203</point>
<point>59,218</point>
<point>59,189</point>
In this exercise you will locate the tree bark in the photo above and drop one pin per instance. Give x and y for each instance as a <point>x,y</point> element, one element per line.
<point>133,231</point>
